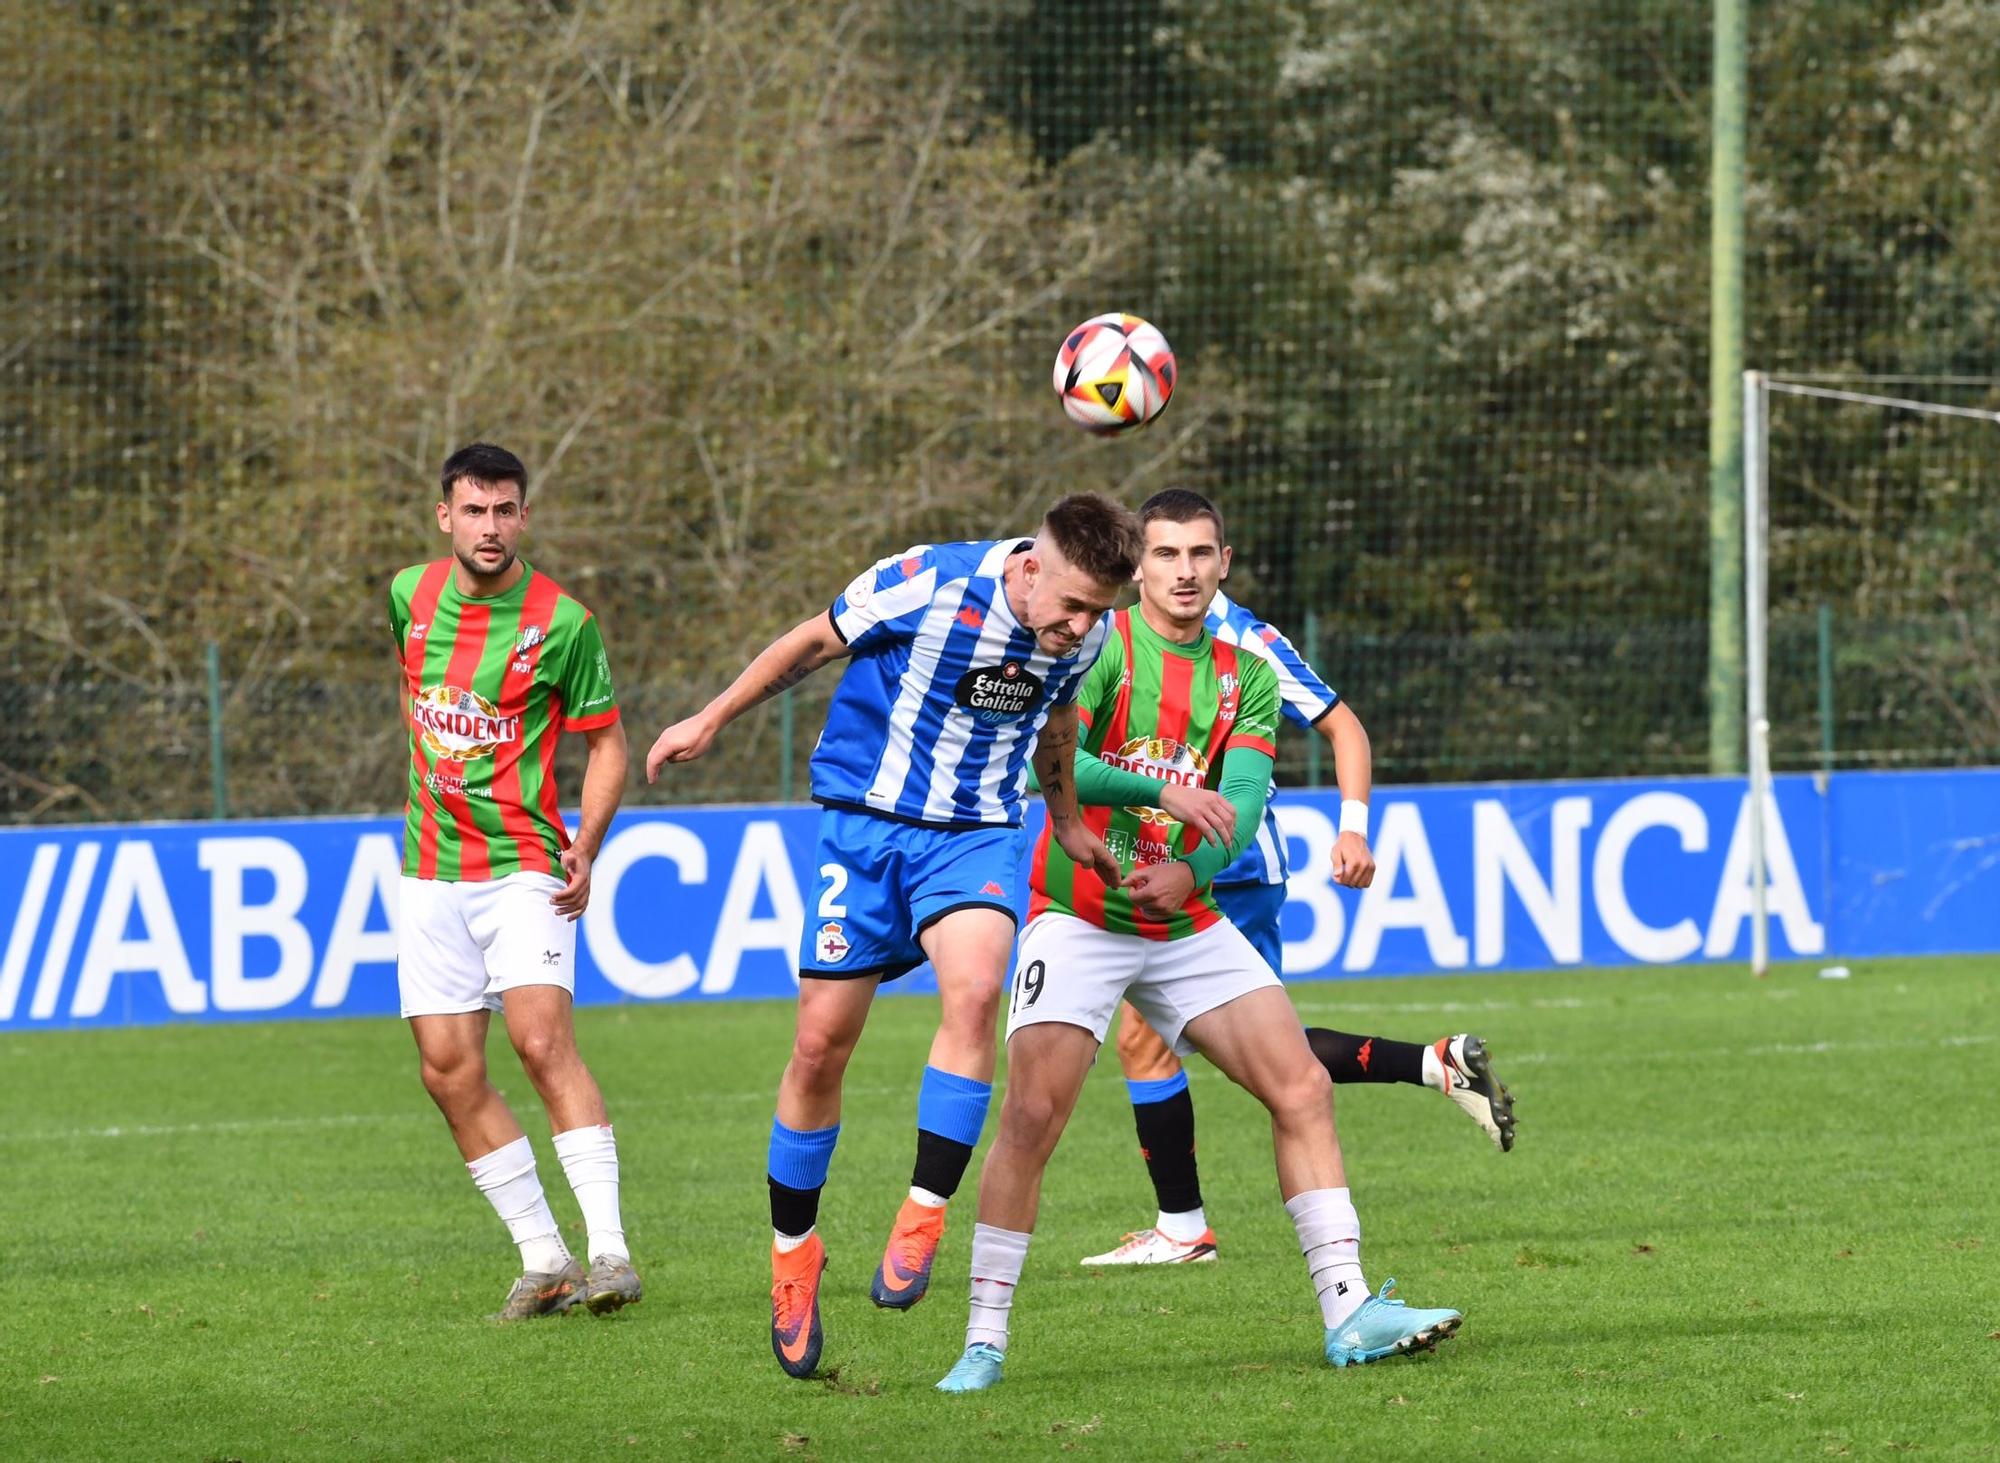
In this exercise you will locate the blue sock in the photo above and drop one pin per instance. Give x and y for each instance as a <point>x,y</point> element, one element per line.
<point>797,1168</point>
<point>1157,1091</point>
<point>951,1114</point>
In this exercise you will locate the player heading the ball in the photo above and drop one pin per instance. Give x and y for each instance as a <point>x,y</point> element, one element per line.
<point>967,658</point>
<point>1164,697</point>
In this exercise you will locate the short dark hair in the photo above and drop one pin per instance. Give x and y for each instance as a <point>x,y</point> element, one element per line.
<point>1181,505</point>
<point>1100,537</point>
<point>484,463</point>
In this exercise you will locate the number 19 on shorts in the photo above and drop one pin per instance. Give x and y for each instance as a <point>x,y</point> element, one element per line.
<point>1028,984</point>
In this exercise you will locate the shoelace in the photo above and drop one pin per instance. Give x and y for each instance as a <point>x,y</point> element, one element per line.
<point>910,1249</point>
<point>1136,1237</point>
<point>788,1299</point>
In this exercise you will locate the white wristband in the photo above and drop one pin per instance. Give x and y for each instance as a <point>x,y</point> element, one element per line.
<point>1354,816</point>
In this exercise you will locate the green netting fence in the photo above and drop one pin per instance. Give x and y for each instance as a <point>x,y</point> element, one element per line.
<point>763,291</point>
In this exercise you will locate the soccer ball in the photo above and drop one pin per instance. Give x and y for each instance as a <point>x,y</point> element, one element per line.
<point>1114,373</point>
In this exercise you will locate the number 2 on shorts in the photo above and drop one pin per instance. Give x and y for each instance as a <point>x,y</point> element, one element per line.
<point>830,906</point>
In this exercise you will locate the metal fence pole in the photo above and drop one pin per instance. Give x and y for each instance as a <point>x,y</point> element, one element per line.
<point>1725,398</point>
<point>1825,690</point>
<point>218,771</point>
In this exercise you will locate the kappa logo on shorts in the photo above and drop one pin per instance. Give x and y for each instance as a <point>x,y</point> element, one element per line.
<point>830,944</point>
<point>992,887</point>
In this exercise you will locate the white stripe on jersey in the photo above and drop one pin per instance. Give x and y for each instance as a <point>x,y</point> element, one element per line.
<point>956,734</point>
<point>1268,847</point>
<point>886,604</point>
<point>925,650</point>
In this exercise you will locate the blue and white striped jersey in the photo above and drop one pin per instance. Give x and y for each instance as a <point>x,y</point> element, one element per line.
<point>1306,699</point>
<point>936,717</point>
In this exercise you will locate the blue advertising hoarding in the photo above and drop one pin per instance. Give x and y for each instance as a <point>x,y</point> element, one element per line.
<point>136,924</point>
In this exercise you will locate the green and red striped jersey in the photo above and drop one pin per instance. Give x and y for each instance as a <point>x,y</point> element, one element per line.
<point>1171,712</point>
<point>489,685</point>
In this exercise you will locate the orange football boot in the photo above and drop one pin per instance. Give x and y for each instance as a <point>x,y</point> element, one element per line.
<point>795,1329</point>
<point>905,1272</point>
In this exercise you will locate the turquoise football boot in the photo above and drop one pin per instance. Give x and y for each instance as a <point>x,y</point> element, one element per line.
<point>977,1370</point>
<point>1384,1327</point>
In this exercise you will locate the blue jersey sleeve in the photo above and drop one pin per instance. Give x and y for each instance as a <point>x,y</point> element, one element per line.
<point>1306,698</point>
<point>887,602</point>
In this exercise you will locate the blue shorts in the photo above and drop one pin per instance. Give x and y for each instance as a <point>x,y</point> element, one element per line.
<point>1254,909</point>
<point>878,884</point>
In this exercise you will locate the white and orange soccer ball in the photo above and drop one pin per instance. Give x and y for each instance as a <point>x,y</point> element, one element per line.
<point>1114,373</point>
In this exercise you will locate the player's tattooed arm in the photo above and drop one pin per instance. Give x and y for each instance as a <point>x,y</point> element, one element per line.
<point>1055,750</point>
<point>783,663</point>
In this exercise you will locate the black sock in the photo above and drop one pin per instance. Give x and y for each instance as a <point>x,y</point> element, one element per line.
<point>1350,1058</point>
<point>940,1163</point>
<point>1166,1138</point>
<point>793,1211</point>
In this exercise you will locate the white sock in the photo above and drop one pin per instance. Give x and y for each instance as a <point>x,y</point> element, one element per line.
<point>997,1258</point>
<point>1182,1228</point>
<point>1434,1069</point>
<point>786,1243</point>
<point>1330,1235</point>
<point>507,1178</point>
<point>590,1162</point>
<point>926,1198</point>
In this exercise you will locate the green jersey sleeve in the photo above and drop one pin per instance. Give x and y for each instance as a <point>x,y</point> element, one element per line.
<point>1258,712</point>
<point>589,699</point>
<point>401,589</point>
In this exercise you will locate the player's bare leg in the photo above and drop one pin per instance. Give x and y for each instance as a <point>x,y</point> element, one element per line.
<point>452,1052</point>
<point>542,1026</point>
<point>1163,1112</point>
<point>1047,1065</point>
<point>1256,1041</point>
<point>970,950</point>
<point>831,1016</point>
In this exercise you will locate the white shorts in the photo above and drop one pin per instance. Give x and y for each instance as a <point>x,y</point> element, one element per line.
<point>1072,971</point>
<point>459,945</point>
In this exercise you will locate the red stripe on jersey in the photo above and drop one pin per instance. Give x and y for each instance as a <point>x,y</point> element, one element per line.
<point>1121,709</point>
<point>1256,744</point>
<point>1196,909</point>
<point>1176,711</point>
<point>546,750</point>
<point>1087,897</point>
<point>591,723</point>
<point>467,650</point>
<point>538,608</point>
<point>423,610</point>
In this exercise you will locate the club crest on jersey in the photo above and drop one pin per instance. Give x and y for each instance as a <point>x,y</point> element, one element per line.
<point>831,944</point>
<point>1164,760</point>
<point>997,693</point>
<point>1225,686</point>
<point>530,638</point>
<point>459,725</point>
<point>858,591</point>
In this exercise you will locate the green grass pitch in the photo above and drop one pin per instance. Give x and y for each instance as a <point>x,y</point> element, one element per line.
<point>1745,1219</point>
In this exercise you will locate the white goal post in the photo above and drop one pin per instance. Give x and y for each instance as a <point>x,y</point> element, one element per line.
<point>1757,389</point>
